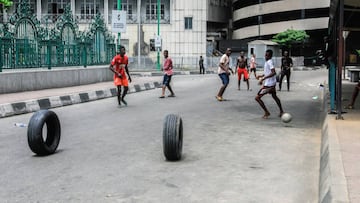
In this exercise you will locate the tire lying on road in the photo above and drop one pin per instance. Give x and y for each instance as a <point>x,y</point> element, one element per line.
<point>172,137</point>
<point>44,120</point>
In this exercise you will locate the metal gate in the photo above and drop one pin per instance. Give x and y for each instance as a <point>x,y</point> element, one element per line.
<point>29,44</point>
<point>99,47</point>
<point>6,53</point>
<point>26,45</point>
<point>69,52</point>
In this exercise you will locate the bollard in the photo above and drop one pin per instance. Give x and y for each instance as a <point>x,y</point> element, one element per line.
<point>37,143</point>
<point>172,137</point>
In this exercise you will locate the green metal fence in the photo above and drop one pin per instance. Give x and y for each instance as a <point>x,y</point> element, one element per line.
<point>30,44</point>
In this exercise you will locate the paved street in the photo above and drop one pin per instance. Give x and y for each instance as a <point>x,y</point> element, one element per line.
<point>230,154</point>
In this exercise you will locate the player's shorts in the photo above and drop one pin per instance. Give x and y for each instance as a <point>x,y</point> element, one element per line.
<point>243,71</point>
<point>166,79</point>
<point>267,90</point>
<point>253,70</point>
<point>123,81</point>
<point>224,78</point>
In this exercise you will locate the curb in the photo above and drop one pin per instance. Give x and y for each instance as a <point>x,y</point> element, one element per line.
<point>332,180</point>
<point>12,109</point>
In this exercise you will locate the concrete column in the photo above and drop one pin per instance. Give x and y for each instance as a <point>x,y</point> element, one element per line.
<point>38,10</point>
<point>72,5</point>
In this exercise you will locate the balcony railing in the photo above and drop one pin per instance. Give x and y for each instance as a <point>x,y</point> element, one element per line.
<point>145,19</point>
<point>88,18</point>
<point>130,18</point>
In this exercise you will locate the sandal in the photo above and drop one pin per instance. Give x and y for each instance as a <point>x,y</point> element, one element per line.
<point>219,98</point>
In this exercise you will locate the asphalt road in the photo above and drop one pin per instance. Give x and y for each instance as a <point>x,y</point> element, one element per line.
<point>230,154</point>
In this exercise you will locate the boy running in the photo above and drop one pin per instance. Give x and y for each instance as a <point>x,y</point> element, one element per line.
<point>168,72</point>
<point>224,72</point>
<point>120,61</point>
<point>253,65</point>
<point>241,66</point>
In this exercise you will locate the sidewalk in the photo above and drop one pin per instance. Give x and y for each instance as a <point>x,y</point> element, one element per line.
<point>31,101</point>
<point>340,147</point>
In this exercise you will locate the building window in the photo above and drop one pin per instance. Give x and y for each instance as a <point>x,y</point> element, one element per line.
<point>188,23</point>
<point>89,8</point>
<point>151,10</point>
<point>55,8</point>
<point>126,5</point>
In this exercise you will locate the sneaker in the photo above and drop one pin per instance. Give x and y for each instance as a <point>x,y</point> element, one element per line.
<point>219,98</point>
<point>161,97</point>
<point>171,95</point>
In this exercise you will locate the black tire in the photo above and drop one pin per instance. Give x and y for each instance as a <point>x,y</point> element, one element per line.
<point>36,141</point>
<point>172,137</point>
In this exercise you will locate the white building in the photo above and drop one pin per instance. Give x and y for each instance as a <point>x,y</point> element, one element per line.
<point>184,24</point>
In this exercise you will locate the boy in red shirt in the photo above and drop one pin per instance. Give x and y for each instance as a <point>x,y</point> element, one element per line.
<point>120,61</point>
<point>168,72</point>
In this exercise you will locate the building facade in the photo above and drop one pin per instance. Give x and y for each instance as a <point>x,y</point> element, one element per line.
<point>192,28</point>
<point>183,27</point>
<point>262,19</point>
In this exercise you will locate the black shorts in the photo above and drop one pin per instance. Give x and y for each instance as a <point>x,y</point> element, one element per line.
<point>267,90</point>
<point>167,80</point>
<point>253,69</point>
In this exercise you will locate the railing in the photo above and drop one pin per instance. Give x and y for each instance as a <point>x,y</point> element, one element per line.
<point>130,18</point>
<point>88,18</point>
<point>73,56</point>
<point>80,18</point>
<point>145,19</point>
<point>179,63</point>
<point>152,19</point>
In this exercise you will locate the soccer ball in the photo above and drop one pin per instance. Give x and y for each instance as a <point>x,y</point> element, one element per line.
<point>286,117</point>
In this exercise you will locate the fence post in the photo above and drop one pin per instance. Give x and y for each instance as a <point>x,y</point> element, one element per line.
<point>49,54</point>
<point>84,55</point>
<point>1,56</point>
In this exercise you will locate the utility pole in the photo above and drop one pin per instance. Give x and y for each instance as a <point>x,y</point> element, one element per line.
<point>340,59</point>
<point>119,34</point>
<point>139,31</point>
<point>158,33</point>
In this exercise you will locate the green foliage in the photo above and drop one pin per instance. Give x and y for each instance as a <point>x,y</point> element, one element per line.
<point>290,37</point>
<point>358,51</point>
<point>6,3</point>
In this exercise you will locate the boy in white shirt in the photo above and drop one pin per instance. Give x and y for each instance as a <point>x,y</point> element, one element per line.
<point>269,80</point>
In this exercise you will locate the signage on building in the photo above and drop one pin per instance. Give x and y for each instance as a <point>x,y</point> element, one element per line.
<point>157,41</point>
<point>118,21</point>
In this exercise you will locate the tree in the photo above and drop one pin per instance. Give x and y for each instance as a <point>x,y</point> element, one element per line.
<point>6,3</point>
<point>290,37</point>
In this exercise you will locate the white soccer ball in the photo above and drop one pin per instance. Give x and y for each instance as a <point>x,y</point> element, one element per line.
<point>286,117</point>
